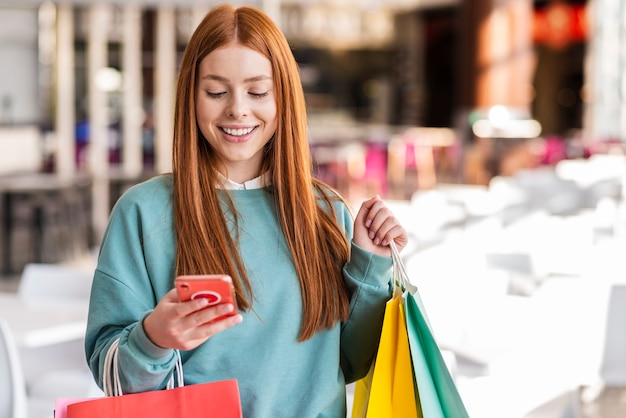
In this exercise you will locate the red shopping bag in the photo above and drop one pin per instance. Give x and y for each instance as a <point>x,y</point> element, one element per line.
<point>219,399</point>
<point>205,400</point>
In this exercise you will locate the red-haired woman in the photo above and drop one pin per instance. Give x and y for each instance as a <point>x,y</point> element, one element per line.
<point>311,280</point>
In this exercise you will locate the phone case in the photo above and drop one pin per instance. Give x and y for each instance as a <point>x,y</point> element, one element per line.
<point>217,288</point>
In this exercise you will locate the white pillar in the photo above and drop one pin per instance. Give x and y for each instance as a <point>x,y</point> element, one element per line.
<point>65,118</point>
<point>165,79</point>
<point>133,115</point>
<point>97,51</point>
<point>604,67</point>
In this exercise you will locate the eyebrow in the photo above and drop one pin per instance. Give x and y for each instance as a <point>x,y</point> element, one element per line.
<point>225,80</point>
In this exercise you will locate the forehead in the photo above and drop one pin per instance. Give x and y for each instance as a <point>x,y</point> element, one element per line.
<point>235,62</point>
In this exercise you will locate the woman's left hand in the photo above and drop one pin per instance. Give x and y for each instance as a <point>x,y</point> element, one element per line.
<point>375,227</point>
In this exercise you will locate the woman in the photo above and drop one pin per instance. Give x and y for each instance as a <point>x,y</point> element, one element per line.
<point>311,282</point>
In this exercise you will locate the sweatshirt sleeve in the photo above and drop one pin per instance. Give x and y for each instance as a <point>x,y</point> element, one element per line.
<point>143,365</point>
<point>368,277</point>
<point>125,290</point>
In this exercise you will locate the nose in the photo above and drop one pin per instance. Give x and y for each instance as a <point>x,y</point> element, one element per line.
<point>237,106</point>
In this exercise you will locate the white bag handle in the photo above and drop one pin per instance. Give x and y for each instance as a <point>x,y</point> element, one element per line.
<point>111,381</point>
<point>400,275</point>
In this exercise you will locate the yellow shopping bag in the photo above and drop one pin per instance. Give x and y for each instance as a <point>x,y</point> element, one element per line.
<point>388,390</point>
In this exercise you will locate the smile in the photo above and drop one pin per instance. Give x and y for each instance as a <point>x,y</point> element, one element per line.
<point>238,131</point>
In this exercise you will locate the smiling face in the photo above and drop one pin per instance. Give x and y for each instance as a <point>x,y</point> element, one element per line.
<point>236,108</point>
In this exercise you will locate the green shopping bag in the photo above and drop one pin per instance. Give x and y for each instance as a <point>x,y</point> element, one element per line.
<point>438,394</point>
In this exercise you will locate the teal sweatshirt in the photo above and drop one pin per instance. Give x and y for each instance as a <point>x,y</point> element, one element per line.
<point>277,375</point>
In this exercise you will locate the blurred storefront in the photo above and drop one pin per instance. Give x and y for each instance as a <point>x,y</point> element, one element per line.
<point>98,78</point>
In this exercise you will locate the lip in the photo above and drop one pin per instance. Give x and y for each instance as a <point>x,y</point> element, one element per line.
<point>238,138</point>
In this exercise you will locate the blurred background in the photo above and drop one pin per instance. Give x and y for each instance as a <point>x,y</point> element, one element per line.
<point>494,129</point>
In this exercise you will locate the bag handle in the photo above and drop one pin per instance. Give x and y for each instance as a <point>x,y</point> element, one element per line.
<point>403,282</point>
<point>400,275</point>
<point>112,383</point>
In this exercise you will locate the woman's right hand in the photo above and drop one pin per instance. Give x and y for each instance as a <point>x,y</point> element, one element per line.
<point>186,325</point>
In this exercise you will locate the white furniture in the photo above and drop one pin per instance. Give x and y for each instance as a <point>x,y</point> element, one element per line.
<point>49,334</point>
<point>15,401</point>
<point>613,368</point>
<point>54,282</point>
<point>12,386</point>
<point>43,323</point>
<point>54,355</point>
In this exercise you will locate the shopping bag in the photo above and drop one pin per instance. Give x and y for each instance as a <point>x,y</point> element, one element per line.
<point>388,390</point>
<point>362,389</point>
<point>392,392</point>
<point>60,405</point>
<point>437,391</point>
<point>205,400</point>
<point>219,399</point>
<point>385,392</point>
<point>438,394</point>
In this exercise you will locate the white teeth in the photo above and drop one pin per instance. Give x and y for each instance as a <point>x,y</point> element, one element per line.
<point>238,131</point>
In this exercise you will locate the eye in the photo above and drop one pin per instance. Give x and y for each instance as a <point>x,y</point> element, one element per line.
<point>215,94</point>
<point>258,95</point>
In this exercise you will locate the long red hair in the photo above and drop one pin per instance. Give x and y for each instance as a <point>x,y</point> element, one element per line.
<point>304,205</point>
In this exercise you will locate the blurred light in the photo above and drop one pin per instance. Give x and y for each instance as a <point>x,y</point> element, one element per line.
<point>512,129</point>
<point>499,116</point>
<point>108,79</point>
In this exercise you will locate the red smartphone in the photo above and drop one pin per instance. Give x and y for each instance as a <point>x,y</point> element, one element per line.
<point>217,288</point>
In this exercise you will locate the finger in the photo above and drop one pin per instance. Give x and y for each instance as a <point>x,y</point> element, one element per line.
<point>203,329</point>
<point>394,233</point>
<point>171,296</point>
<point>379,217</point>
<point>384,227</point>
<point>364,213</point>
<point>188,308</point>
<point>210,314</point>
<point>201,334</point>
<point>221,323</point>
<point>181,309</point>
<point>380,228</point>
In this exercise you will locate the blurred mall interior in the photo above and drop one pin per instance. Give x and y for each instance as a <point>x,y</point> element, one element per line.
<point>494,129</point>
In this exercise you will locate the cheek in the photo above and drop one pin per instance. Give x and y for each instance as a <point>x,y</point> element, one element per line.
<point>270,115</point>
<point>200,112</point>
<point>206,110</point>
<point>204,120</point>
